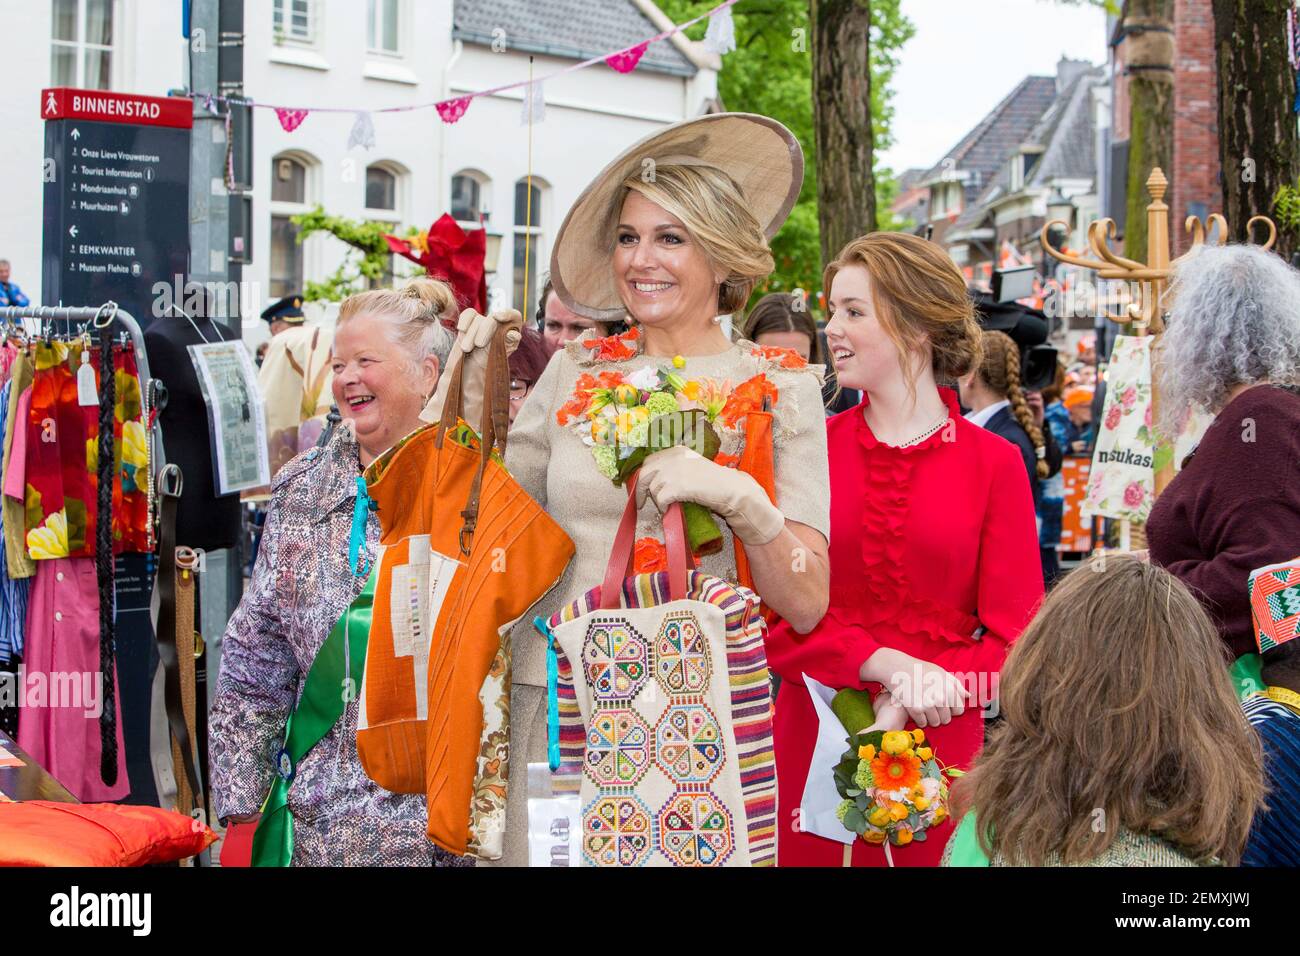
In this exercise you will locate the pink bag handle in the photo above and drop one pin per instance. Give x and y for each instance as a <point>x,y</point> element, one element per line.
<point>620,558</point>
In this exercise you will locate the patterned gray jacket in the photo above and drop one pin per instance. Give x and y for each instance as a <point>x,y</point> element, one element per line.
<point>301,584</point>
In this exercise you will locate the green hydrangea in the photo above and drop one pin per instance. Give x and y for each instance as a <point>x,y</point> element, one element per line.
<point>606,460</point>
<point>661,403</point>
<point>864,779</point>
<point>844,807</point>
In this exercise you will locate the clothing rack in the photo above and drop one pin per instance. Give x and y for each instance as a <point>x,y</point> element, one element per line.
<point>92,322</point>
<point>94,319</point>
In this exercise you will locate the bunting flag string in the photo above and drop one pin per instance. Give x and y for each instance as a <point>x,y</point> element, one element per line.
<point>363,132</point>
<point>533,108</point>
<point>625,61</point>
<point>721,35</point>
<point>720,38</point>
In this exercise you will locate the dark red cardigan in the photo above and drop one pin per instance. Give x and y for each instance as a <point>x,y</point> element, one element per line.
<point>1234,508</point>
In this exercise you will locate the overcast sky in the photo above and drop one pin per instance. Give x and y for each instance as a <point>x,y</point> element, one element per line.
<point>969,54</point>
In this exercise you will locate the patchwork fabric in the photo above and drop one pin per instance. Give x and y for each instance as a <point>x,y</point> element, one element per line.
<point>688,744</point>
<point>667,741</point>
<point>618,748</point>
<point>616,831</point>
<point>695,829</point>
<point>1275,603</point>
<point>616,658</point>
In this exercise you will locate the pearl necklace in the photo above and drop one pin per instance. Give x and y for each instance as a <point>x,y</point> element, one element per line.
<point>927,433</point>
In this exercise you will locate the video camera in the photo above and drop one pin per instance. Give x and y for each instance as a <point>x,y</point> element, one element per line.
<point>999,312</point>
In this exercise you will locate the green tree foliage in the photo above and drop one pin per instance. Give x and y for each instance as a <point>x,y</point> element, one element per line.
<point>770,72</point>
<point>368,263</point>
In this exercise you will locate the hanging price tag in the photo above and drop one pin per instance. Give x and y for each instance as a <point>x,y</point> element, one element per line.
<point>87,392</point>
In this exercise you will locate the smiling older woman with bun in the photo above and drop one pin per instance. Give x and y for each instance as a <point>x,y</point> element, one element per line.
<point>388,352</point>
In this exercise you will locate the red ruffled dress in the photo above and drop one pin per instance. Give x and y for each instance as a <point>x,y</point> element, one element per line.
<point>928,543</point>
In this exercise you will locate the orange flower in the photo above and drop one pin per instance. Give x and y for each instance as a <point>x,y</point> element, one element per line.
<point>648,556</point>
<point>786,358</point>
<point>903,837</point>
<point>725,460</point>
<point>577,405</point>
<point>616,348</point>
<point>748,397</point>
<point>896,771</point>
<point>584,390</point>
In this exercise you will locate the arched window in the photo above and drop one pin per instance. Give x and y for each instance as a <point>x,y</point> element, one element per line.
<point>468,199</point>
<point>381,189</point>
<point>528,243</point>
<point>290,190</point>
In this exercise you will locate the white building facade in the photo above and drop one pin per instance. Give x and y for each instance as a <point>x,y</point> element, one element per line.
<point>369,55</point>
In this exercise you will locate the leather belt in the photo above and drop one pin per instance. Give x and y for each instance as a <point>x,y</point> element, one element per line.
<point>170,483</point>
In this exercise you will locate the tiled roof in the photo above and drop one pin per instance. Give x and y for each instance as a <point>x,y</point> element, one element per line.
<point>1066,133</point>
<point>986,147</point>
<point>571,29</point>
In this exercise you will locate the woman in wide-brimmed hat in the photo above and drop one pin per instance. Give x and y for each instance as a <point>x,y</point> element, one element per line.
<point>673,233</point>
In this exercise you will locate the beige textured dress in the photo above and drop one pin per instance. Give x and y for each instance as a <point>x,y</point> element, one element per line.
<point>554,466</point>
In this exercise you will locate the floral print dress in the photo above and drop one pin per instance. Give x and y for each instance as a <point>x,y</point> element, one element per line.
<point>301,584</point>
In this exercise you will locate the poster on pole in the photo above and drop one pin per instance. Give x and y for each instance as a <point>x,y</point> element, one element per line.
<point>236,416</point>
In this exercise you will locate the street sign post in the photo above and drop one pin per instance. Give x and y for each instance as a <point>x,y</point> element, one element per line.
<point>116,197</point>
<point>117,176</point>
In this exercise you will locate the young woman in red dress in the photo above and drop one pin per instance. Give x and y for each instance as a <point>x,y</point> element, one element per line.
<point>933,550</point>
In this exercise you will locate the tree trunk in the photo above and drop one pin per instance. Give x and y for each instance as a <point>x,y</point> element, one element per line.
<point>841,94</point>
<point>1149,60</point>
<point>1259,150</point>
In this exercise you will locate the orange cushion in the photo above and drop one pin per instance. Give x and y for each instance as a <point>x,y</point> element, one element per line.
<point>43,833</point>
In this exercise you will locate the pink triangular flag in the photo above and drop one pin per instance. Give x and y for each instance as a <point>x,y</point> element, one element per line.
<point>452,110</point>
<point>626,61</point>
<point>290,119</point>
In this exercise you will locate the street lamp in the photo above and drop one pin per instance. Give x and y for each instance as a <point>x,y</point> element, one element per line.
<point>1059,207</point>
<point>492,255</point>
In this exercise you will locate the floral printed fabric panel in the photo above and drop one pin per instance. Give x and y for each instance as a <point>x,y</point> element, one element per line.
<point>1121,483</point>
<point>62,464</point>
<point>487,825</point>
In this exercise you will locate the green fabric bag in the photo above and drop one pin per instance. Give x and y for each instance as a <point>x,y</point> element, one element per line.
<point>1247,673</point>
<point>332,681</point>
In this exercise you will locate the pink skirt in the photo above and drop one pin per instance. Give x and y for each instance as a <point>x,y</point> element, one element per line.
<point>60,696</point>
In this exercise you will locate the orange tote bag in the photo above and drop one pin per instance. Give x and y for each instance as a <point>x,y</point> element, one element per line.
<point>464,553</point>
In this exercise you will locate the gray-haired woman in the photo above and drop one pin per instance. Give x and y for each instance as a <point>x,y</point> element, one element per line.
<point>1232,348</point>
<point>388,351</point>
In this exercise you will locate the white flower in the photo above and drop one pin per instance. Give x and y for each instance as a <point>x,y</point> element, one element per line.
<point>930,787</point>
<point>646,379</point>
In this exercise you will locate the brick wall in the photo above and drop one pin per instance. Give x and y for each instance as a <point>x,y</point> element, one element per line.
<point>1196,139</point>
<point>1196,143</point>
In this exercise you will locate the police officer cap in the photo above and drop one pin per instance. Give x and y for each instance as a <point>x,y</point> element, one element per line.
<point>288,309</point>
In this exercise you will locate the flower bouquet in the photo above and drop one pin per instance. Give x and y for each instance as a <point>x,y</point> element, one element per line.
<point>894,788</point>
<point>625,418</point>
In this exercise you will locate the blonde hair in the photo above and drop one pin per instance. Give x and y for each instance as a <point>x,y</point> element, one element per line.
<point>713,209</point>
<point>1117,708</point>
<point>919,297</point>
<point>1000,371</point>
<point>416,312</point>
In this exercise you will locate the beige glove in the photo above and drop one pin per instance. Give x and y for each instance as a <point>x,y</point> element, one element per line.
<point>683,474</point>
<point>473,333</point>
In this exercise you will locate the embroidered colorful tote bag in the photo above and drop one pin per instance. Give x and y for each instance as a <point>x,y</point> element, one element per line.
<point>464,552</point>
<point>661,716</point>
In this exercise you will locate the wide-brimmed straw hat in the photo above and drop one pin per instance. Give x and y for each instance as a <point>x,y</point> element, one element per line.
<point>758,153</point>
